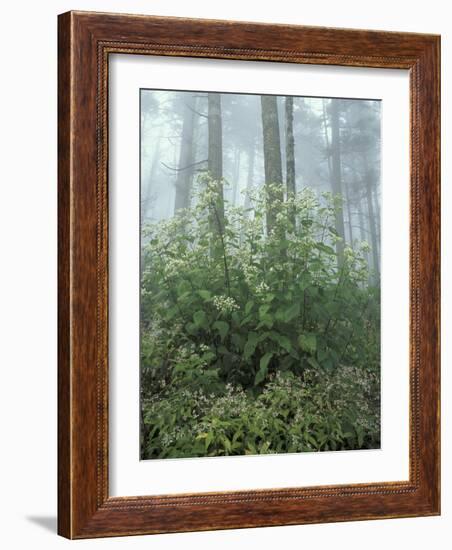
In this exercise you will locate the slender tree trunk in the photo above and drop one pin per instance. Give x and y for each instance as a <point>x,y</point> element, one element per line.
<point>272,158</point>
<point>290,154</point>
<point>236,176</point>
<point>362,230</point>
<point>373,232</point>
<point>250,176</point>
<point>147,199</point>
<point>349,212</point>
<point>249,184</point>
<point>185,168</point>
<point>327,140</point>
<point>377,219</point>
<point>215,159</point>
<point>336,181</point>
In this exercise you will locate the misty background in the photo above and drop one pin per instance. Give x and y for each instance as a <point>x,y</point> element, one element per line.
<point>323,143</point>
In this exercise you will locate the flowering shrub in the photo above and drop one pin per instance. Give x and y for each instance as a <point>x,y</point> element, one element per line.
<point>256,339</point>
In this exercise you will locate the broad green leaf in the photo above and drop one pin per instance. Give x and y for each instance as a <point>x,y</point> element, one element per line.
<point>263,311</point>
<point>191,329</point>
<point>251,343</point>
<point>200,319</point>
<point>249,307</point>
<point>263,368</point>
<point>291,312</point>
<point>208,440</point>
<point>313,362</point>
<point>284,342</point>
<point>308,342</point>
<point>205,294</point>
<point>222,327</point>
<point>325,248</point>
<point>183,287</point>
<point>226,443</point>
<point>360,434</point>
<point>322,354</point>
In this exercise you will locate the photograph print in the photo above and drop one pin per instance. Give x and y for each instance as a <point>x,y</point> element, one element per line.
<point>260,274</point>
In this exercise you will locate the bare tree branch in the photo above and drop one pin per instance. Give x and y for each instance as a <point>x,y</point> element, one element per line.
<point>185,167</point>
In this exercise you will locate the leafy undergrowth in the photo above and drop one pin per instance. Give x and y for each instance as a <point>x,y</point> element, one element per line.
<point>255,339</point>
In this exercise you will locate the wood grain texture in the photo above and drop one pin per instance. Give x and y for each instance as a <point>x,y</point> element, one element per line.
<point>85,42</point>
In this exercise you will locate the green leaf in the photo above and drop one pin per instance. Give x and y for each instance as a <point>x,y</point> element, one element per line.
<point>311,440</point>
<point>313,362</point>
<point>327,364</point>
<point>266,321</point>
<point>237,340</point>
<point>205,294</point>
<point>263,368</point>
<point>222,327</point>
<point>291,312</point>
<point>226,443</point>
<point>251,343</point>
<point>263,311</point>
<point>170,313</point>
<point>208,437</point>
<point>208,356</point>
<point>360,434</point>
<point>249,307</point>
<point>325,248</point>
<point>191,329</point>
<point>322,355</point>
<point>200,319</point>
<point>183,287</point>
<point>283,341</point>
<point>308,342</point>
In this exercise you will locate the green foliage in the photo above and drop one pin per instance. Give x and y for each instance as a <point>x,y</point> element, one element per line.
<point>256,342</point>
<point>311,412</point>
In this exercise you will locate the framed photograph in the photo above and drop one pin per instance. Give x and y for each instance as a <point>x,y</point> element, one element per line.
<point>248,275</point>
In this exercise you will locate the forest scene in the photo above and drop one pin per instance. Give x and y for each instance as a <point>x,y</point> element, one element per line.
<point>260,274</point>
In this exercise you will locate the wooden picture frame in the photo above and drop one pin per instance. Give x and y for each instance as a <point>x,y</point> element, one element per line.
<point>85,42</point>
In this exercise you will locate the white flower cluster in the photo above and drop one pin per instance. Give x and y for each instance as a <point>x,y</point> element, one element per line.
<point>349,253</point>
<point>262,288</point>
<point>225,304</point>
<point>249,272</point>
<point>174,265</point>
<point>365,246</point>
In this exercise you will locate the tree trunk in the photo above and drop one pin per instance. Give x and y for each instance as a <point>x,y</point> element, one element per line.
<point>349,212</point>
<point>377,219</point>
<point>336,180</point>
<point>236,176</point>
<point>373,232</point>
<point>215,160</point>
<point>250,177</point>
<point>185,167</point>
<point>290,154</point>
<point>272,158</point>
<point>147,199</point>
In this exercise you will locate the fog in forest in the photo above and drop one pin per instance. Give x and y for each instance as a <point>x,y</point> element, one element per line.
<point>321,143</point>
<point>260,285</point>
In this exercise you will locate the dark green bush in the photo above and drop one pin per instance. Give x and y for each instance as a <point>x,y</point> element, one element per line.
<point>257,341</point>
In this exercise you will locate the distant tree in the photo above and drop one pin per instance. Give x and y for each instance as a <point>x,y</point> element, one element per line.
<point>290,151</point>
<point>336,174</point>
<point>215,158</point>
<point>186,161</point>
<point>272,157</point>
<point>250,174</point>
<point>362,150</point>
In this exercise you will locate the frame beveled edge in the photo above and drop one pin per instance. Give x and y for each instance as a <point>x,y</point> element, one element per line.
<point>84,44</point>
